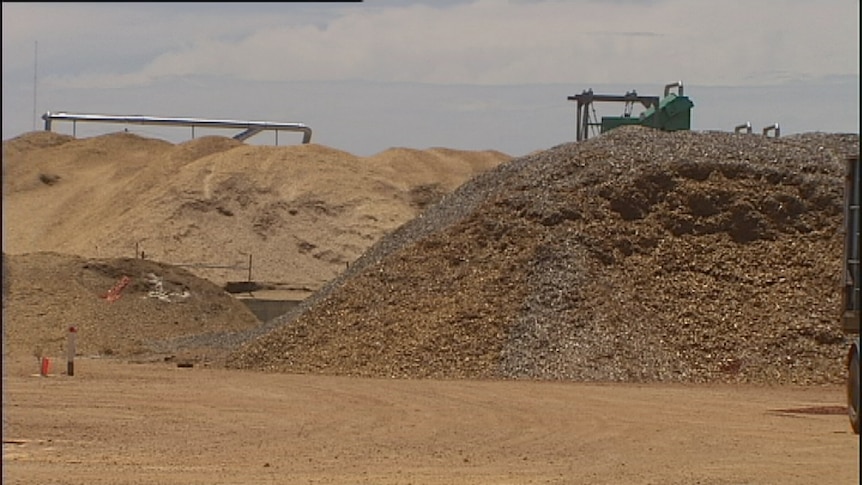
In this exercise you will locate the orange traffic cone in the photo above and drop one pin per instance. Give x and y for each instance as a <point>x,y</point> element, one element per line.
<point>46,367</point>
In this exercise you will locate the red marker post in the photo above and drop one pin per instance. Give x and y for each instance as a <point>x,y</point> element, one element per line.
<point>70,351</point>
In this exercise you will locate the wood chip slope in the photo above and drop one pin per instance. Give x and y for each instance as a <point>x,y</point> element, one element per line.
<point>636,256</point>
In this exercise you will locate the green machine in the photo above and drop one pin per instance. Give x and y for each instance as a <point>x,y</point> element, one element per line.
<point>672,112</point>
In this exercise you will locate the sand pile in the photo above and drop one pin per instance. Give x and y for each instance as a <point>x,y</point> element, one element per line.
<point>120,307</point>
<point>635,256</point>
<point>300,213</point>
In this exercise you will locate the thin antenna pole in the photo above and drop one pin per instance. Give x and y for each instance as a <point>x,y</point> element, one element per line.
<point>35,73</point>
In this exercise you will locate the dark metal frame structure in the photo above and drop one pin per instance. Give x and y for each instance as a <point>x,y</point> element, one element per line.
<point>585,102</point>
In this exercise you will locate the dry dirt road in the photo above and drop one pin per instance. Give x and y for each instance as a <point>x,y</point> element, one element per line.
<point>155,423</point>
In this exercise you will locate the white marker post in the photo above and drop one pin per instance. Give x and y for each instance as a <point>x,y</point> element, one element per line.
<point>70,351</point>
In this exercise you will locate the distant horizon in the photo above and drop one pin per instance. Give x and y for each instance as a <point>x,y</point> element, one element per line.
<point>515,120</point>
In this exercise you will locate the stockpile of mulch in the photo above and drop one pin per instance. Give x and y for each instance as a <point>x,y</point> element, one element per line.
<point>636,256</point>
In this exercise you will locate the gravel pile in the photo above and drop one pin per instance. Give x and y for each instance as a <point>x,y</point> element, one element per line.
<point>636,256</point>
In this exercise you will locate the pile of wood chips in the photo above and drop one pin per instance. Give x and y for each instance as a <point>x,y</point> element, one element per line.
<point>637,256</point>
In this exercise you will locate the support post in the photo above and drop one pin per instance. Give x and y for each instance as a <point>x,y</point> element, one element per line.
<point>70,351</point>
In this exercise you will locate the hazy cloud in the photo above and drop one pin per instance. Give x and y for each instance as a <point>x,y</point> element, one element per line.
<point>730,42</point>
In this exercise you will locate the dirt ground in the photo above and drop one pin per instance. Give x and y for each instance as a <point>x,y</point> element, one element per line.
<point>125,423</point>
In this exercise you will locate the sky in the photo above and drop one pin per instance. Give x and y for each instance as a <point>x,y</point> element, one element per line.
<point>462,74</point>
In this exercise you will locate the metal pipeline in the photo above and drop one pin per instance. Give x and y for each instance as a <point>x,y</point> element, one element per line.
<point>743,127</point>
<point>773,128</point>
<point>251,127</point>
<point>677,84</point>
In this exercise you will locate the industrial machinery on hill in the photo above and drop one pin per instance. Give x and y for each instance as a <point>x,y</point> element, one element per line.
<point>672,112</point>
<point>852,300</point>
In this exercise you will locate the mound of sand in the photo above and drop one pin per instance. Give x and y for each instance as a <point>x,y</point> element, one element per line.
<point>46,293</point>
<point>635,256</point>
<point>299,213</point>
